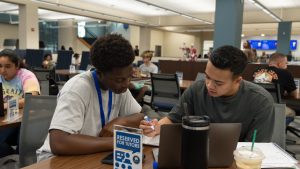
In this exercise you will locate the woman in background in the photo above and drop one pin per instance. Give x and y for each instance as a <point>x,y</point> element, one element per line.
<point>48,62</point>
<point>249,52</point>
<point>16,81</point>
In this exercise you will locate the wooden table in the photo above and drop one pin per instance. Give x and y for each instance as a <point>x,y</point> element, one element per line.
<point>14,123</point>
<point>67,72</point>
<point>92,161</point>
<point>186,84</point>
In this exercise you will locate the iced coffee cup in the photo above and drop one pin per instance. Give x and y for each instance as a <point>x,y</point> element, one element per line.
<point>247,159</point>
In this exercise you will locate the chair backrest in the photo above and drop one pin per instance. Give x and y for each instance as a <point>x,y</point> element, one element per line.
<point>37,115</point>
<point>200,76</point>
<point>165,91</point>
<point>44,76</point>
<point>64,59</point>
<point>85,60</point>
<point>34,57</point>
<point>274,89</point>
<point>278,136</point>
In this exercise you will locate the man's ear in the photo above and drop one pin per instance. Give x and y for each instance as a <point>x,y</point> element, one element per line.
<point>238,79</point>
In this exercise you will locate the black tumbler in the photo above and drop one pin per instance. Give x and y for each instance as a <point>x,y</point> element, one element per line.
<point>1,101</point>
<point>195,142</point>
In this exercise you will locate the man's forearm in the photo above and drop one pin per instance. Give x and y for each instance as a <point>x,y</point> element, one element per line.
<point>131,120</point>
<point>63,143</point>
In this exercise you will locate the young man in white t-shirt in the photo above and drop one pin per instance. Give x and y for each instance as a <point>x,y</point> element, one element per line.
<point>92,102</point>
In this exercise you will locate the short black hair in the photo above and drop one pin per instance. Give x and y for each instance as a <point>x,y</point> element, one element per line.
<point>229,57</point>
<point>13,57</point>
<point>111,51</point>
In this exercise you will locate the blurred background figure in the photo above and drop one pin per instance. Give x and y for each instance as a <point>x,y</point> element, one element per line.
<point>249,52</point>
<point>136,50</point>
<point>48,63</point>
<point>76,60</point>
<point>193,53</point>
<point>62,47</point>
<point>148,67</point>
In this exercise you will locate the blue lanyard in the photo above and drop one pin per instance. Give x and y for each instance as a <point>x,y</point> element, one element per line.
<point>100,99</point>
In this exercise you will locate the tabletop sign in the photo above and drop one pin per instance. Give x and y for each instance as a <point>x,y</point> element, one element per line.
<point>128,150</point>
<point>12,109</point>
<point>72,69</point>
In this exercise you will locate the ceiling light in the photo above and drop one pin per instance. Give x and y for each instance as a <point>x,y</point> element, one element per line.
<point>265,9</point>
<point>262,34</point>
<point>173,11</point>
<point>242,35</point>
<point>87,10</point>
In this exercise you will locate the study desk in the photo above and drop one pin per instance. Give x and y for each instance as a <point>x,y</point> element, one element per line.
<point>67,72</point>
<point>14,123</point>
<point>90,162</point>
<point>185,84</point>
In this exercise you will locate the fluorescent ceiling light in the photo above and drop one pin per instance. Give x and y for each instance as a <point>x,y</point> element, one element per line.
<point>173,11</point>
<point>265,9</point>
<point>87,10</point>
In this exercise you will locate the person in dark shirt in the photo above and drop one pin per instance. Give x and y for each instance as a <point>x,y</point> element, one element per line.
<point>277,72</point>
<point>225,97</point>
<point>136,50</point>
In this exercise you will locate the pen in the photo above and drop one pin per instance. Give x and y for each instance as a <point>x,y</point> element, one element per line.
<point>148,119</point>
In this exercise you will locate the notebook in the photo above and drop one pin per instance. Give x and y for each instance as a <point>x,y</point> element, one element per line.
<point>223,139</point>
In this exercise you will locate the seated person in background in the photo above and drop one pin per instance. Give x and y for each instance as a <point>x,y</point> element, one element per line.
<point>249,52</point>
<point>16,81</point>
<point>76,60</point>
<point>144,69</point>
<point>225,97</point>
<point>91,103</point>
<point>277,72</point>
<point>148,67</point>
<point>48,62</point>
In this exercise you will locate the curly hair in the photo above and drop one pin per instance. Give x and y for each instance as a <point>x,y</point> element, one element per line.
<point>111,51</point>
<point>229,57</point>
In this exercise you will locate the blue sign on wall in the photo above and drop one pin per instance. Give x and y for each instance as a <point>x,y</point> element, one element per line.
<point>270,44</point>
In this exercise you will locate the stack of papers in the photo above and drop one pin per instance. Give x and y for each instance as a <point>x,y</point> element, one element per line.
<point>152,141</point>
<point>275,157</point>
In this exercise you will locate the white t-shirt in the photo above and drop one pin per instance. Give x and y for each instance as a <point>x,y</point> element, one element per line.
<point>78,110</point>
<point>152,68</point>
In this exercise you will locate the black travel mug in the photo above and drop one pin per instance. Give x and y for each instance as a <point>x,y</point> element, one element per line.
<point>1,101</point>
<point>195,142</point>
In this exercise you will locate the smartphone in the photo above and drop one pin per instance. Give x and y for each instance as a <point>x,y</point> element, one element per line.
<point>109,159</point>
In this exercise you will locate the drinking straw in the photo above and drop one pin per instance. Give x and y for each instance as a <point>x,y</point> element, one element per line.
<point>253,139</point>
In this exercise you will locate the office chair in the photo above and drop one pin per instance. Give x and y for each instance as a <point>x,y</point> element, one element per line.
<point>200,76</point>
<point>295,105</point>
<point>273,89</point>
<point>37,115</point>
<point>279,134</point>
<point>85,60</point>
<point>34,58</point>
<point>165,91</point>
<point>46,79</point>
